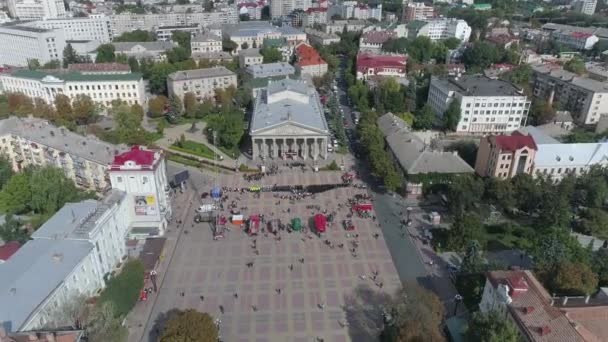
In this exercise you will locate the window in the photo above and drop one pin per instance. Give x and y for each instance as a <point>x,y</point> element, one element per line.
<point>559,170</point>
<point>503,157</point>
<point>119,179</point>
<point>145,180</point>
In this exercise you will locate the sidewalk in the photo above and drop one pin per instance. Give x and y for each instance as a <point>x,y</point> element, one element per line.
<point>139,317</point>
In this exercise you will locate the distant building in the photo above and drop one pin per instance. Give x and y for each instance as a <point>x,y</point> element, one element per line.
<point>279,8</point>
<point>373,40</point>
<point>252,34</point>
<point>418,11</point>
<point>505,156</point>
<point>270,70</point>
<point>155,51</point>
<point>201,82</point>
<point>249,57</point>
<point>309,62</point>
<point>486,105</point>
<point>369,64</point>
<point>205,42</point>
<point>314,16</point>
<point>37,9</point>
<point>165,33</point>
<point>438,29</point>
<point>585,6</point>
<point>22,44</point>
<point>253,9</point>
<point>575,39</point>
<point>321,38</point>
<point>93,27</point>
<point>338,26</point>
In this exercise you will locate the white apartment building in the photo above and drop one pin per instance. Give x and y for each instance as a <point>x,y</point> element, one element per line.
<point>486,105</point>
<point>20,44</point>
<point>252,9</point>
<point>250,57</point>
<point>280,8</point>
<point>255,33</point>
<point>337,26</point>
<point>37,9</point>
<point>94,27</point>
<point>165,33</point>
<point>30,141</point>
<point>585,6</point>
<point>101,88</point>
<point>314,16</point>
<point>142,174</point>
<point>206,42</point>
<point>418,11</point>
<point>155,51</point>
<point>201,82</point>
<point>438,29</point>
<point>585,98</point>
<point>575,40</point>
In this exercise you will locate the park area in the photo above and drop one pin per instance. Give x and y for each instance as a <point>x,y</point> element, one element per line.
<point>195,148</point>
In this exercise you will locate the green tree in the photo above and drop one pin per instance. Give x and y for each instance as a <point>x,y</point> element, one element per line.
<point>481,55</point>
<point>594,222</point>
<point>135,36</point>
<point>178,54</point>
<point>84,109</point>
<point>16,194</point>
<point>158,77</point>
<point>472,261</point>
<point>133,64</point>
<point>229,46</point>
<point>464,193</point>
<point>6,170</point>
<point>575,279</point>
<point>190,325</point>
<point>52,64</point>
<point>204,109</point>
<point>229,128</point>
<point>541,112</point>
<point>123,290</point>
<point>50,190</point>
<point>190,104</point>
<point>208,5</point>
<point>43,109</point>
<point>576,65</point>
<point>12,230</point>
<point>182,39</point>
<point>33,64</point>
<point>452,43</point>
<point>175,107</point>
<point>63,106</point>
<point>424,118</point>
<point>157,106</point>
<point>128,124</point>
<point>466,149</point>
<point>451,117</point>
<point>491,327</point>
<point>70,56</point>
<point>102,325</point>
<point>465,228</point>
<point>105,54</point>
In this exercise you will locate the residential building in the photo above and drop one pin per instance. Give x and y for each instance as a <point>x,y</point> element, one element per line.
<point>372,41</point>
<point>585,6</point>
<point>252,9</point>
<point>201,82</point>
<point>213,57</point>
<point>418,11</point>
<point>575,39</point>
<point>102,88</point>
<point>270,70</point>
<point>585,98</point>
<point>486,105</point>
<point>251,34</point>
<point>94,27</point>
<point>142,174</point>
<point>281,8</point>
<point>206,42</point>
<point>413,154</point>
<point>597,71</point>
<point>369,65</point>
<point>309,62</point>
<point>320,37</point>
<point>155,51</point>
<point>600,32</point>
<point>314,16</point>
<point>505,156</point>
<point>437,29</point>
<point>338,26</point>
<point>249,57</point>
<point>21,44</point>
<point>43,336</point>
<point>165,33</point>
<point>35,142</point>
<point>540,317</point>
<point>100,68</point>
<point>288,121</point>
<point>37,9</point>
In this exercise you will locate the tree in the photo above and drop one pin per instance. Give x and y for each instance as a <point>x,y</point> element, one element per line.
<point>177,54</point>
<point>245,46</point>
<point>594,222</point>
<point>102,324</point>
<point>133,64</point>
<point>229,46</point>
<point>576,65</point>
<point>16,194</point>
<point>63,105</point>
<point>229,128</point>
<point>451,117</point>
<point>6,171</point>
<point>175,107</point>
<point>491,327</point>
<point>472,261</point>
<point>190,104</point>
<point>424,118</point>
<point>575,279</point>
<point>158,77</point>
<point>463,194</point>
<point>12,230</point>
<point>500,192</point>
<point>204,109</point>
<point>50,190</point>
<point>105,54</point>
<point>84,109</point>
<point>128,124</point>
<point>43,109</point>
<point>541,112</point>
<point>208,5</point>
<point>19,103</point>
<point>123,290</point>
<point>452,43</point>
<point>480,56</point>
<point>182,39</point>
<point>135,36</point>
<point>465,228</point>
<point>271,54</point>
<point>52,64</point>
<point>244,17</point>
<point>70,56</point>
<point>416,315</point>
<point>33,64</point>
<point>190,325</point>
<point>157,106</point>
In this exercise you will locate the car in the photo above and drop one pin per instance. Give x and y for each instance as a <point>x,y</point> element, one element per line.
<point>330,149</point>
<point>335,141</point>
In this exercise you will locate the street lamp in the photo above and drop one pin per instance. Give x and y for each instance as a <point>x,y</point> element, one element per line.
<point>408,210</point>
<point>457,300</point>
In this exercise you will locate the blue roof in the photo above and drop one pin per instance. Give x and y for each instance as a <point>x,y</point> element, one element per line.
<point>33,273</point>
<point>66,220</point>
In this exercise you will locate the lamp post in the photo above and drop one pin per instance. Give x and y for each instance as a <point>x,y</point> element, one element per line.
<point>408,210</point>
<point>457,300</point>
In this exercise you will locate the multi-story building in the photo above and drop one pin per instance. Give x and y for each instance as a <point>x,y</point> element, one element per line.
<point>142,174</point>
<point>252,9</point>
<point>505,156</point>
<point>418,11</point>
<point>373,40</point>
<point>165,33</point>
<point>370,65</point>
<point>314,16</point>
<point>155,51</point>
<point>486,105</point>
<point>280,8</point>
<point>249,57</point>
<point>94,27</point>
<point>585,6</point>
<point>36,142</point>
<point>338,26</point>
<point>321,38</point>
<point>201,82</point>
<point>585,98</point>
<point>21,44</point>
<point>254,34</point>
<point>309,62</point>
<point>206,42</point>
<point>575,39</point>
<point>270,70</point>
<point>102,88</point>
<point>438,29</point>
<point>37,9</point>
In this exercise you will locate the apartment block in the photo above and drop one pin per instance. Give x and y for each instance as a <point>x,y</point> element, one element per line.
<point>201,82</point>
<point>248,57</point>
<point>206,42</point>
<point>21,44</point>
<point>251,34</point>
<point>575,39</point>
<point>165,33</point>
<point>486,105</point>
<point>280,8</point>
<point>505,156</point>
<point>418,11</point>
<point>94,27</point>
<point>437,29</point>
<point>585,6</point>
<point>37,9</point>
<point>309,62</point>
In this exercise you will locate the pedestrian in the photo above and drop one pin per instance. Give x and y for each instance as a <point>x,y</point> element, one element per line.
<point>202,298</point>
<point>182,294</point>
<point>302,260</point>
<point>255,308</point>
<point>291,267</point>
<point>278,291</point>
<point>222,309</point>
<point>236,295</point>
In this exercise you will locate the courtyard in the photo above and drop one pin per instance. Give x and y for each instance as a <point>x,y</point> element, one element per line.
<point>298,287</point>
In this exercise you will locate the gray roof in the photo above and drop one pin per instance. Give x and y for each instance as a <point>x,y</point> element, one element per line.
<point>213,55</point>
<point>271,70</point>
<point>205,37</point>
<point>250,52</point>
<point>289,30</point>
<point>45,133</point>
<point>566,76</point>
<point>149,46</point>
<point>247,28</point>
<point>299,105</point>
<point>538,135</point>
<point>33,273</point>
<point>77,220</point>
<point>217,71</point>
<point>413,154</point>
<point>478,85</point>
<point>600,32</point>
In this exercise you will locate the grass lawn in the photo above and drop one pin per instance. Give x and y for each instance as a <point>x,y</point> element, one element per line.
<point>194,148</point>
<point>230,152</point>
<point>179,159</point>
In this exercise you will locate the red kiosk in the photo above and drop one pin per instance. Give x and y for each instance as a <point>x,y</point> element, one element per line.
<point>362,207</point>
<point>320,224</point>
<point>254,225</point>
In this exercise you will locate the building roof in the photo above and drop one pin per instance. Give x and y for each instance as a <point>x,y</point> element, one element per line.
<point>8,249</point>
<point>33,273</point>
<point>46,336</point>
<point>73,76</point>
<point>218,71</point>
<point>478,85</point>
<point>213,55</point>
<point>286,101</point>
<point>514,142</point>
<point>540,137</point>
<point>60,138</point>
<point>369,60</point>
<point>570,155</point>
<point>531,308</point>
<point>556,71</point>
<point>141,157</point>
<point>307,55</point>
<point>149,46</point>
<point>250,52</point>
<point>99,67</point>
<point>248,29</point>
<point>206,37</point>
<point>271,69</point>
<point>413,154</point>
<point>377,37</point>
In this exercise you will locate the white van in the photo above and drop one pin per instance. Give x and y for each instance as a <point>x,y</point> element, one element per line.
<point>205,208</point>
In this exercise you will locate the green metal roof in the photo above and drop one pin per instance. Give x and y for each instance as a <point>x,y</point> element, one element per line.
<point>482,6</point>
<point>77,76</point>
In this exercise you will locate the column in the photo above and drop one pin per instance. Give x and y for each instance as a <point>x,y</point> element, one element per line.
<point>315,149</point>
<point>254,149</point>
<point>324,147</point>
<point>264,148</point>
<point>305,149</point>
<point>273,148</point>
<point>285,148</point>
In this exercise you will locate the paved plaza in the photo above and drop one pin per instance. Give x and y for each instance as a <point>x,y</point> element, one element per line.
<point>314,295</point>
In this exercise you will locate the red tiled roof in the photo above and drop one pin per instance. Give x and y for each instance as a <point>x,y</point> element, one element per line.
<point>99,67</point>
<point>581,35</point>
<point>369,60</point>
<point>307,55</point>
<point>514,142</point>
<point>138,155</point>
<point>377,37</point>
<point>8,249</point>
